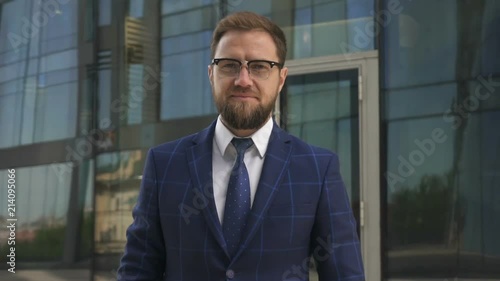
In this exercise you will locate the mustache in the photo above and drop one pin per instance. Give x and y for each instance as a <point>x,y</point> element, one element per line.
<point>239,89</point>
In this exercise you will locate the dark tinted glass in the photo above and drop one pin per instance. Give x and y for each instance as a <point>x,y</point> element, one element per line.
<point>441,145</point>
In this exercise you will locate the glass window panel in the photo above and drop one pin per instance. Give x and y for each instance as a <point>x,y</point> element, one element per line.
<point>186,22</point>
<point>117,187</point>
<point>319,28</point>
<point>104,12</point>
<point>34,46</point>
<point>104,97</point>
<point>409,102</point>
<point>89,21</point>
<point>11,87</point>
<point>490,179</point>
<point>86,199</point>
<point>56,113</point>
<point>136,94</point>
<point>312,114</point>
<point>12,71</point>
<point>60,76</point>
<point>11,25</point>
<point>491,35</point>
<point>169,6</point>
<point>58,44</point>
<point>136,8</point>
<point>260,7</point>
<point>186,43</point>
<point>439,205</point>
<point>28,111</point>
<point>322,109</point>
<point>186,99</point>
<point>58,61</point>
<point>421,43</point>
<point>484,90</point>
<point>9,119</point>
<point>477,210</point>
<point>32,66</point>
<point>42,200</point>
<point>62,22</point>
<point>419,195</point>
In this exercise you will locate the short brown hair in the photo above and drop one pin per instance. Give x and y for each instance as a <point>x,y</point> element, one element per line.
<point>250,21</point>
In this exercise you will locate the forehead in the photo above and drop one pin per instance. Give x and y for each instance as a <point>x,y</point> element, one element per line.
<point>247,45</point>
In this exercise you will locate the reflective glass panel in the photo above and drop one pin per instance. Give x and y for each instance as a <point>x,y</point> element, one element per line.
<point>42,200</point>
<point>186,34</point>
<point>38,71</point>
<point>322,109</point>
<point>118,177</point>
<point>440,87</point>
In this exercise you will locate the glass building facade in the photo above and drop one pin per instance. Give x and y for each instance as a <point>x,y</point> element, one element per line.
<point>409,89</point>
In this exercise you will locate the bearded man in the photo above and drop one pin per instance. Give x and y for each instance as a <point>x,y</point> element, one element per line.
<point>242,199</point>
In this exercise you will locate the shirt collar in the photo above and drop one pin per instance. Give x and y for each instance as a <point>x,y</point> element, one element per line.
<point>260,138</point>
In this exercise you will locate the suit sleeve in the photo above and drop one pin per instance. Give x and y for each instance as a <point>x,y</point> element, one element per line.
<point>334,241</point>
<point>144,257</point>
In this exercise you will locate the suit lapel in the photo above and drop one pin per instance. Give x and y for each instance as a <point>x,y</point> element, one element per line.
<point>200,168</point>
<point>275,165</point>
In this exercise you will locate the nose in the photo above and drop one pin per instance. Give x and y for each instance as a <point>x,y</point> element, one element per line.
<point>243,79</point>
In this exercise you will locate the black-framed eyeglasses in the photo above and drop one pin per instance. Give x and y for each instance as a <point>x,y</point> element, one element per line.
<point>259,69</point>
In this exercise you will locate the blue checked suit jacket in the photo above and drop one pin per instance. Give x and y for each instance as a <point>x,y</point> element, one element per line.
<point>301,209</point>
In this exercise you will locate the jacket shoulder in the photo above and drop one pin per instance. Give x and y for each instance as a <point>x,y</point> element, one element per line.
<point>177,145</point>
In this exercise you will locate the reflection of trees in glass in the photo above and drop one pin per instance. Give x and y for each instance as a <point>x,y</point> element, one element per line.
<point>87,236</point>
<point>469,41</point>
<point>420,214</point>
<point>47,245</point>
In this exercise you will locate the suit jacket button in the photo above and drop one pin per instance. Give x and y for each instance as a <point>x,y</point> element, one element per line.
<point>230,274</point>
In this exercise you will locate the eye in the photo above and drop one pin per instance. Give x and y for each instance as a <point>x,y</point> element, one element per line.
<point>229,66</point>
<point>259,66</point>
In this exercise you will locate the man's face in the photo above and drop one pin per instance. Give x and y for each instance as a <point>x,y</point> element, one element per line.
<point>244,101</point>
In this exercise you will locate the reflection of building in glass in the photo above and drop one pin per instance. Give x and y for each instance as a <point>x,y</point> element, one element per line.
<point>93,84</point>
<point>117,179</point>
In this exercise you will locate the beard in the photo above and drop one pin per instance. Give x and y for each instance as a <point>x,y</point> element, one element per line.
<point>244,115</point>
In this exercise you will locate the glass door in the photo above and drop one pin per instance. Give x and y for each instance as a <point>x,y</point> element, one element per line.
<point>333,103</point>
<point>322,109</point>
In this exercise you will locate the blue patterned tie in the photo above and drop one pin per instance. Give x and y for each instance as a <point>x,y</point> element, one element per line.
<point>237,198</point>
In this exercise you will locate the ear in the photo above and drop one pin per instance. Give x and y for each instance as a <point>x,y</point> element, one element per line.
<point>211,74</point>
<point>283,74</point>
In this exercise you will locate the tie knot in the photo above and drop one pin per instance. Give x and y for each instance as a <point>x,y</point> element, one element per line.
<point>242,144</point>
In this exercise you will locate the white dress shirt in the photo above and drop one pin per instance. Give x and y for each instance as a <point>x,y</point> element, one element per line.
<point>224,157</point>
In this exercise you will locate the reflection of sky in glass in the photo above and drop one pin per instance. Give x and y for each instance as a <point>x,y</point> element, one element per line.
<point>186,39</point>
<point>104,12</point>
<point>42,195</point>
<point>135,85</point>
<point>332,27</point>
<point>88,183</point>
<point>136,8</point>
<point>37,88</point>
